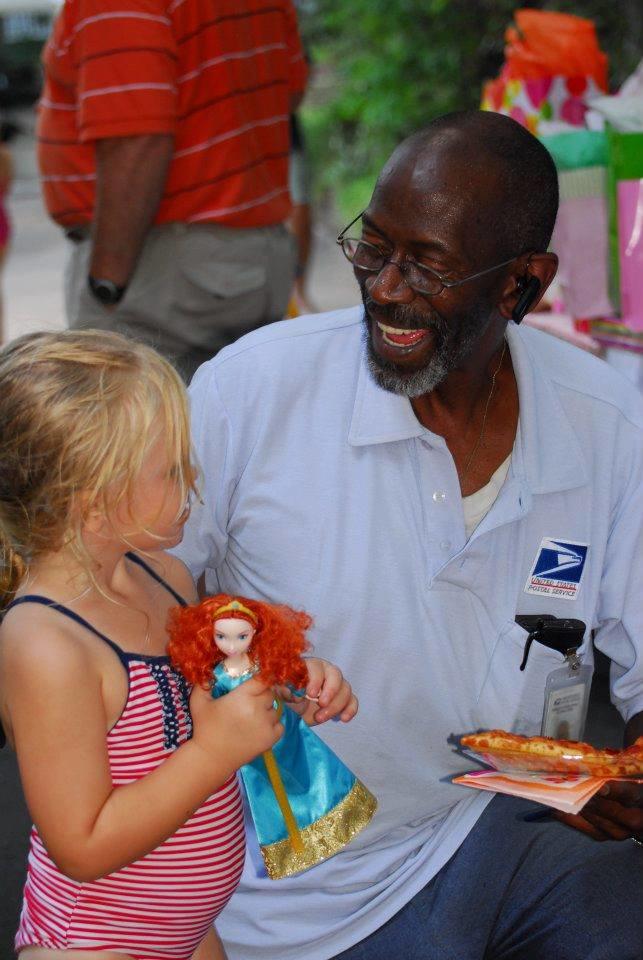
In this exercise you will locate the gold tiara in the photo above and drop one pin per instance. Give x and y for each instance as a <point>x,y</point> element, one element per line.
<point>234,607</point>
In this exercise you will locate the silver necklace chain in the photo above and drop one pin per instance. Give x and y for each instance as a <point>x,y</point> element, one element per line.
<point>478,442</point>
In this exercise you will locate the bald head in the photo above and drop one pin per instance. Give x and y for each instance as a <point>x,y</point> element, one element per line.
<point>502,172</point>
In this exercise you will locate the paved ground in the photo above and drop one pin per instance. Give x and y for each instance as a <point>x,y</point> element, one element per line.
<point>33,301</point>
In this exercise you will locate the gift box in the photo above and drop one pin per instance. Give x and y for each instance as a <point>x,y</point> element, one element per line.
<point>553,68</point>
<point>580,234</point>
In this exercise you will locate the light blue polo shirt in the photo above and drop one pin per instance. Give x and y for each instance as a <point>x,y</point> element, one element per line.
<point>324,492</point>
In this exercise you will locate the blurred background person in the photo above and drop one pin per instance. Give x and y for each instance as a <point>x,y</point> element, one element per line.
<point>301,218</point>
<point>163,144</point>
<point>7,133</point>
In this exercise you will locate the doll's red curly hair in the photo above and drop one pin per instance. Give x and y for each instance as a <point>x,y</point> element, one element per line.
<point>276,647</point>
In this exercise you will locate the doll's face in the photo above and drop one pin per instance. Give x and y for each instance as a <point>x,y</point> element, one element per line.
<point>233,636</point>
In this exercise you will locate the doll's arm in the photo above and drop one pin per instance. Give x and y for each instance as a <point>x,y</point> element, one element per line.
<point>329,694</point>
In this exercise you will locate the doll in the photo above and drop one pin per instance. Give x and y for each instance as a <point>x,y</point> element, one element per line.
<point>305,803</point>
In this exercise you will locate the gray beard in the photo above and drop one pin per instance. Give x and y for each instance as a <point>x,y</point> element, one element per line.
<point>448,355</point>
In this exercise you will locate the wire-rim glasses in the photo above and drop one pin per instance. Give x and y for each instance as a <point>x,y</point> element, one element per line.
<point>370,258</point>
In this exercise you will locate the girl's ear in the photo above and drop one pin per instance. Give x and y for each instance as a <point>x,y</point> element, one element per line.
<point>92,519</point>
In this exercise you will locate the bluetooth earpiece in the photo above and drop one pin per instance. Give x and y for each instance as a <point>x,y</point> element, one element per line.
<point>530,289</point>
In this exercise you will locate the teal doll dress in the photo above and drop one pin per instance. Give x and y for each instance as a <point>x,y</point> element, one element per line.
<point>305,803</point>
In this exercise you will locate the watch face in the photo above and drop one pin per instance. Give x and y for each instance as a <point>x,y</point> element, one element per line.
<point>106,291</point>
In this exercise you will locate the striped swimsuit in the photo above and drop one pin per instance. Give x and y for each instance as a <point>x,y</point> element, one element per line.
<point>161,906</point>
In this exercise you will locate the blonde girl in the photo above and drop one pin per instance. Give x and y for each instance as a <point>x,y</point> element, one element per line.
<point>138,840</point>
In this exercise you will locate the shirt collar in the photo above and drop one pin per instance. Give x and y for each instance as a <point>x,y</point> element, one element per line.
<point>380,416</point>
<point>547,454</point>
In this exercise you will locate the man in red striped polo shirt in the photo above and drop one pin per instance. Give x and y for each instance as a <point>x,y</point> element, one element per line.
<point>163,143</point>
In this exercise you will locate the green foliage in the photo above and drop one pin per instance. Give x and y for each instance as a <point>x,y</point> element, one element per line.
<point>383,68</point>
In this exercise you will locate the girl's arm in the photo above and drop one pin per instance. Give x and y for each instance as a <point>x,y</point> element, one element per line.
<point>53,705</point>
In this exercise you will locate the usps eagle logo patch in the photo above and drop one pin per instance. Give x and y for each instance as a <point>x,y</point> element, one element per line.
<point>558,569</point>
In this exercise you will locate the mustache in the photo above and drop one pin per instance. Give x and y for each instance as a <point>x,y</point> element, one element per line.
<point>403,316</point>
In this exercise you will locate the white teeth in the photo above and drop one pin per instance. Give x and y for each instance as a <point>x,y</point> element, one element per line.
<point>394,330</point>
<point>397,331</point>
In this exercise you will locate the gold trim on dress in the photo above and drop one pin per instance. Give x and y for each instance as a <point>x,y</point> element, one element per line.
<point>323,838</point>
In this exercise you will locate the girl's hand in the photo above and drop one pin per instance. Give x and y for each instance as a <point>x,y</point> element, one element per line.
<point>243,723</point>
<point>328,694</point>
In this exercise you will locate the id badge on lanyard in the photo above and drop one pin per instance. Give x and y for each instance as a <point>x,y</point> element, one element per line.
<point>566,688</point>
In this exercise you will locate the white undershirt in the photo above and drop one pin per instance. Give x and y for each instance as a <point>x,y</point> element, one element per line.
<point>479,503</point>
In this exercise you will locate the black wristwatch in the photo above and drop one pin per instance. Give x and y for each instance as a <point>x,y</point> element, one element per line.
<point>108,292</point>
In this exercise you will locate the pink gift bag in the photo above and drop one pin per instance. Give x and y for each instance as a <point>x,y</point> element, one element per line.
<point>629,196</point>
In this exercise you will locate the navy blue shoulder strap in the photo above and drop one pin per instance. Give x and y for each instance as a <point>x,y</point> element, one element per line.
<point>134,557</point>
<point>76,617</point>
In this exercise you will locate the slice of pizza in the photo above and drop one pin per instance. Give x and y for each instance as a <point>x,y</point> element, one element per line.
<point>510,751</point>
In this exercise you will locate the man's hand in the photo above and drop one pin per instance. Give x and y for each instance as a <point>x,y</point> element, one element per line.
<point>328,694</point>
<point>614,813</point>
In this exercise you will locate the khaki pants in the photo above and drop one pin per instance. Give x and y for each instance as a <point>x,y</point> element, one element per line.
<point>196,288</point>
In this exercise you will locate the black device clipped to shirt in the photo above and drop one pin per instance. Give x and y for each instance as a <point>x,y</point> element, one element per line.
<point>529,291</point>
<point>558,633</point>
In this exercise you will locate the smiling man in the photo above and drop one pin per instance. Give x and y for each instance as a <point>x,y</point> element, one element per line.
<point>401,471</point>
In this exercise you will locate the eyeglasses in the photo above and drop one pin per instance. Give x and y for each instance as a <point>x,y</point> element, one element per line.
<point>366,256</point>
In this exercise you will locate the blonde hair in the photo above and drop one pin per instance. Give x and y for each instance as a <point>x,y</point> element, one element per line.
<point>76,416</point>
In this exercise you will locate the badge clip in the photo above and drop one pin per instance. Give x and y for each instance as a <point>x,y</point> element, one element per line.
<point>566,688</point>
<point>558,633</point>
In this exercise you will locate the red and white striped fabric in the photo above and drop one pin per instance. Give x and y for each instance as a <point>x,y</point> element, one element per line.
<point>218,78</point>
<point>161,906</point>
